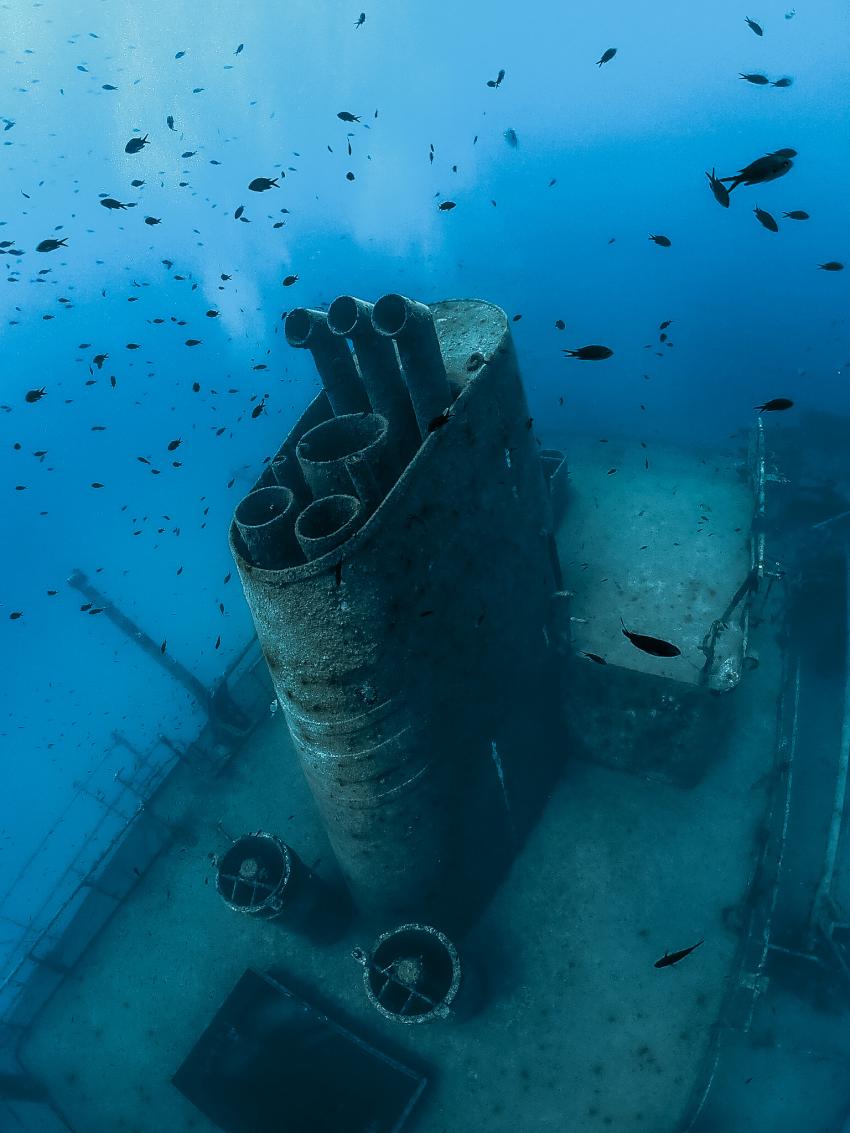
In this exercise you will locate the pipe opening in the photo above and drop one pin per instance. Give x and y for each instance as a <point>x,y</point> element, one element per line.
<point>342,315</point>
<point>390,314</point>
<point>297,326</point>
<point>326,516</point>
<point>341,436</point>
<point>263,506</point>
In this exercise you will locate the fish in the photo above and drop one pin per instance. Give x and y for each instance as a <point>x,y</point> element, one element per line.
<point>591,353</point>
<point>238,212</point>
<point>258,409</point>
<point>239,49</point>
<point>670,958</point>
<point>137,183</point>
<point>51,245</point>
<point>663,241</point>
<point>665,324</point>
<point>347,116</point>
<point>179,54</point>
<point>765,219</point>
<point>785,81</point>
<point>34,395</point>
<point>775,404</point>
<point>560,324</point>
<point>721,193</point>
<point>169,121</point>
<point>151,220</point>
<point>136,144</point>
<point>796,214</point>
<point>607,56</point>
<point>757,28</point>
<point>15,614</point>
<point>172,445</point>
<point>756,78</point>
<point>766,168</point>
<point>593,657</point>
<point>832,265</point>
<point>188,153</point>
<point>107,86</point>
<point>497,82</point>
<point>289,280</point>
<point>652,645</point>
<point>437,422</point>
<point>99,359</point>
<point>260,184</point>
<point>349,177</point>
<point>111,203</point>
<point>511,138</point>
<point>162,647</point>
<point>360,21</point>
<point>446,206</point>
<point>193,341</point>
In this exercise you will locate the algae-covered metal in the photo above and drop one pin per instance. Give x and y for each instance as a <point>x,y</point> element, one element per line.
<point>408,641</point>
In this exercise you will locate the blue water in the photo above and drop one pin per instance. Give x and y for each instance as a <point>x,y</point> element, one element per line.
<point>627,145</point>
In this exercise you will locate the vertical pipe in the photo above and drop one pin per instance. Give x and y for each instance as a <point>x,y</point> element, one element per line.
<point>309,329</point>
<point>265,519</point>
<point>412,326</point>
<point>379,368</point>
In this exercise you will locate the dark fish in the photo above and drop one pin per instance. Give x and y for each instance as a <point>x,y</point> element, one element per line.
<point>670,958</point>
<point>35,395</point>
<point>593,657</point>
<point>511,138</point>
<point>108,86</point>
<point>179,54</point>
<point>346,116</point>
<point>188,153</point>
<point>757,28</point>
<point>153,220</point>
<point>786,81</point>
<point>766,219</point>
<point>136,144</point>
<point>831,265</point>
<point>360,21</point>
<point>665,324</point>
<point>721,193</point>
<point>51,245</point>
<point>260,184</point>
<point>111,203</point>
<point>258,409</point>
<point>15,614</point>
<point>653,645</point>
<point>238,212</point>
<point>758,79</point>
<point>349,176</point>
<point>775,404</point>
<point>193,341</point>
<point>664,241</point>
<point>99,359</point>
<point>446,206</point>
<point>136,183</point>
<point>591,353</point>
<point>172,445</point>
<point>560,324</point>
<point>437,422</point>
<point>239,49</point>
<point>290,279</point>
<point>497,82</point>
<point>169,121</point>
<point>766,168</point>
<point>162,647</point>
<point>607,56</point>
<point>796,214</point>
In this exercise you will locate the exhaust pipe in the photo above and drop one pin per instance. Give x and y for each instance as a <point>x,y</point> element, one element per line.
<point>327,524</point>
<point>412,326</point>
<point>344,452</point>
<point>265,520</point>
<point>380,371</point>
<point>309,329</point>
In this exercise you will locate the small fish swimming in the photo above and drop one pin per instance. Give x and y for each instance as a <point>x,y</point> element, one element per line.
<point>655,646</point>
<point>756,78</point>
<point>785,81</point>
<point>766,168</point>
<point>136,144</point>
<point>757,28</point>
<point>238,212</point>
<point>497,82</point>
<point>51,245</point>
<point>137,183</point>
<point>446,206</point>
<point>662,241</point>
<point>832,265</point>
<point>592,353</point>
<point>260,184</point>
<point>511,138</point>
<point>151,220</point>
<point>670,958</point>
<point>34,395</point>
<point>111,203</point>
<point>360,21</point>
<point>796,214</point>
<point>239,49</point>
<point>765,219</point>
<point>593,657</point>
<point>721,193</point>
<point>607,56</point>
<point>776,404</point>
<point>169,121</point>
<point>347,116</point>
<point>289,280</point>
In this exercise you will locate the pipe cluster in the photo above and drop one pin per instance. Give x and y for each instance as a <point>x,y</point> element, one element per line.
<point>383,389</point>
